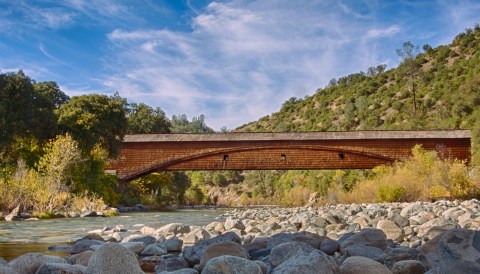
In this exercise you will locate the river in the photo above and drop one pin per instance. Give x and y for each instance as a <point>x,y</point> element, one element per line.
<point>20,237</point>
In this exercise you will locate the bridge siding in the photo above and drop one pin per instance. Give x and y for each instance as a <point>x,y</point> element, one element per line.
<point>138,157</point>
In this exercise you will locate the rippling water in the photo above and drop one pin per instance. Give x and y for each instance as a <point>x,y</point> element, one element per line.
<point>20,237</point>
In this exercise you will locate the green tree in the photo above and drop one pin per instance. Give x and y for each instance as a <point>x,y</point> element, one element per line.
<point>410,67</point>
<point>181,124</point>
<point>95,120</point>
<point>143,119</point>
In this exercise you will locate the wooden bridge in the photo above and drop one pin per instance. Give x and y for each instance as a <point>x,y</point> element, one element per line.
<point>143,154</point>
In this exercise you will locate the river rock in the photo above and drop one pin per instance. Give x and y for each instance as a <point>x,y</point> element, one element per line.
<point>223,248</point>
<point>368,236</point>
<point>135,247</point>
<point>154,249</point>
<point>217,227</point>
<point>412,209</point>
<point>173,228</point>
<point>363,265</point>
<point>312,263</point>
<point>455,251</point>
<point>84,245</point>
<point>393,255</point>
<point>81,258</point>
<point>180,271</point>
<point>193,254</point>
<point>231,223</point>
<point>437,222</point>
<point>408,267</point>
<point>170,263</point>
<point>231,265</point>
<point>3,261</point>
<point>173,244</point>
<point>7,270</point>
<point>370,252</point>
<point>196,235</point>
<point>30,262</point>
<point>391,229</point>
<point>145,239</point>
<point>58,268</point>
<point>113,258</point>
<point>283,252</point>
<point>91,236</point>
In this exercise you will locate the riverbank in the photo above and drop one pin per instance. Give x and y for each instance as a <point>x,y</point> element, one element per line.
<point>440,237</point>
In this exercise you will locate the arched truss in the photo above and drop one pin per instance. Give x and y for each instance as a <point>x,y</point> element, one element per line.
<point>166,165</point>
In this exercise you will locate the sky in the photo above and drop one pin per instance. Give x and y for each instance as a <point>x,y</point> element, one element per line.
<point>233,61</point>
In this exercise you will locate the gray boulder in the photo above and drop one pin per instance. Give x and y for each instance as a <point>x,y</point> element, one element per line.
<point>370,252</point>
<point>173,245</point>
<point>408,267</point>
<point>233,223</point>
<point>363,265</point>
<point>312,263</point>
<point>140,238</point>
<point>84,245</point>
<point>113,258</point>
<point>285,251</point>
<point>30,262</point>
<point>397,254</point>
<point>154,249</point>
<point>173,228</point>
<point>392,230</point>
<point>193,254</point>
<point>171,263</point>
<point>223,248</point>
<point>59,268</point>
<point>7,270</point>
<point>180,271</point>
<point>368,236</point>
<point>231,265</point>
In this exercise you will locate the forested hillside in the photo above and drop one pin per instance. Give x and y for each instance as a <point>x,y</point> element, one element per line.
<point>433,88</point>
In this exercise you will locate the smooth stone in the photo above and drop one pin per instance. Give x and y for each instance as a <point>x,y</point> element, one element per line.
<point>215,226</point>
<point>223,248</point>
<point>362,265</point>
<point>30,262</point>
<point>171,263</point>
<point>59,268</point>
<point>368,236</point>
<point>196,235</point>
<point>81,258</point>
<point>180,271</point>
<point>391,229</point>
<point>312,263</point>
<point>145,239</point>
<point>7,270</point>
<point>84,245</point>
<point>135,247</point>
<point>173,228</point>
<point>173,244</point>
<point>193,254</point>
<point>283,252</point>
<point>408,267</point>
<point>231,223</point>
<point>154,249</point>
<point>424,228</point>
<point>231,265</point>
<point>3,261</point>
<point>370,252</point>
<point>412,209</point>
<point>113,258</point>
<point>397,254</point>
<point>329,246</point>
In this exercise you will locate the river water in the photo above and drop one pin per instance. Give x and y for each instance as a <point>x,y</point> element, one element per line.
<point>20,237</point>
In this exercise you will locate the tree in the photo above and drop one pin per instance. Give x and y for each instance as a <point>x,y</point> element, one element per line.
<point>410,67</point>
<point>181,124</point>
<point>143,119</point>
<point>95,120</point>
<point>27,108</point>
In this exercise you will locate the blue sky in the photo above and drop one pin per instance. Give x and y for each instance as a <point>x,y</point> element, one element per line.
<point>232,60</point>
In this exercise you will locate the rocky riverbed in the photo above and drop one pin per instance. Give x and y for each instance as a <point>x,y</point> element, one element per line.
<point>439,237</point>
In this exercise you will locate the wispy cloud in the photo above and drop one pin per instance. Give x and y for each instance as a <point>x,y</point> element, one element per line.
<point>241,60</point>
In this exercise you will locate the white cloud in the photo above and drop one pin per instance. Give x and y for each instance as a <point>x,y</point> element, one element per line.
<point>242,59</point>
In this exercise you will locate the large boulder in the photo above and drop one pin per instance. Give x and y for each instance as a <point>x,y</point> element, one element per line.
<point>113,258</point>
<point>231,223</point>
<point>171,263</point>
<point>370,252</point>
<point>146,239</point>
<point>84,245</point>
<point>81,258</point>
<point>285,251</point>
<point>193,254</point>
<point>393,255</point>
<point>173,228</point>
<point>231,265</point>
<point>312,263</point>
<point>408,267</point>
<point>391,229</point>
<point>7,270</point>
<point>363,265</point>
<point>454,251</point>
<point>154,249</point>
<point>58,268</point>
<point>173,244</point>
<point>223,248</point>
<point>368,236</point>
<point>30,262</point>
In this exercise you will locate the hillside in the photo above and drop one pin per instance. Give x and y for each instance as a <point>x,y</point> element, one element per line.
<point>446,84</point>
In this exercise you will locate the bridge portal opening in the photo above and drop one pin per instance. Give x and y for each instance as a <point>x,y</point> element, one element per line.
<point>283,157</point>
<point>341,156</point>
<point>225,157</point>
